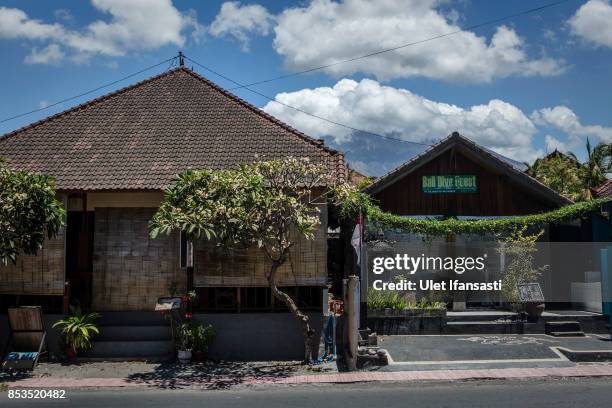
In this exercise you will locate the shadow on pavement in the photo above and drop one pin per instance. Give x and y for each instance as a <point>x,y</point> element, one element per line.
<point>210,375</point>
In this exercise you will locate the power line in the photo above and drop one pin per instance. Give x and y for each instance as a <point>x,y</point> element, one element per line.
<point>301,110</point>
<point>88,92</point>
<point>372,54</point>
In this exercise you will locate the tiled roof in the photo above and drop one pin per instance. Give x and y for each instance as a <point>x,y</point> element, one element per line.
<point>503,164</point>
<point>605,190</point>
<point>141,136</point>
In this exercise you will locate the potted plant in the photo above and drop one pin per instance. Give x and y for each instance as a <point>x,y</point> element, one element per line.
<point>202,336</point>
<point>520,248</point>
<point>184,341</point>
<point>77,330</point>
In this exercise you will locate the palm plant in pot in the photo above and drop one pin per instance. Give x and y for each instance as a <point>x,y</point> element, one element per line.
<point>202,337</point>
<point>78,330</point>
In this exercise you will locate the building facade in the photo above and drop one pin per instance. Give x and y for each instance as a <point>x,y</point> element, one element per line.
<point>112,158</point>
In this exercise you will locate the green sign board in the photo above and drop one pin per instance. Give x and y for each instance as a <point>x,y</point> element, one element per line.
<point>449,184</point>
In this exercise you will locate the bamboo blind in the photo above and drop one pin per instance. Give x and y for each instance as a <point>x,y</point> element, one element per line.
<point>131,270</point>
<point>306,266</point>
<point>40,274</point>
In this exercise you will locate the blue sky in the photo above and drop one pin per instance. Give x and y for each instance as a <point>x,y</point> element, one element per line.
<point>521,87</point>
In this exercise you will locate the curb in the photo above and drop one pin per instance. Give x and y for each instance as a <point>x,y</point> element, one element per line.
<point>354,377</point>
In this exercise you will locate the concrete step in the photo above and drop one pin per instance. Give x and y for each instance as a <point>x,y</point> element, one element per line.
<point>134,333</point>
<point>567,334</point>
<point>129,349</point>
<point>481,327</point>
<point>479,317</point>
<point>561,326</point>
<point>132,319</point>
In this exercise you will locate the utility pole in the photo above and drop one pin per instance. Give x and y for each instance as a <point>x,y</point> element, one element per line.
<point>181,58</point>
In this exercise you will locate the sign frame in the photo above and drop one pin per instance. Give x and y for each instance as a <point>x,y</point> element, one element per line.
<point>449,183</point>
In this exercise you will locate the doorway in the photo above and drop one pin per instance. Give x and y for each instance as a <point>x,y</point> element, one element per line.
<point>79,256</point>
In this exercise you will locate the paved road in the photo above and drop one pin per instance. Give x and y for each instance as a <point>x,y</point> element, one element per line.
<point>500,394</point>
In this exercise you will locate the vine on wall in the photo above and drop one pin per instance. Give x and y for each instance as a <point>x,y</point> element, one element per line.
<point>351,201</point>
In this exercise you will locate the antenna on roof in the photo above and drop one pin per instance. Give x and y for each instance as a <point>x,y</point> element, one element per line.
<point>181,59</point>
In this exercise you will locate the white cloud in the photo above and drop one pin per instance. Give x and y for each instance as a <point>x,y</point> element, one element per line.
<point>370,106</point>
<point>564,119</point>
<point>52,54</point>
<point>592,22</point>
<point>134,26</point>
<point>63,14</point>
<point>14,24</point>
<point>238,21</point>
<point>552,143</point>
<point>43,104</point>
<point>326,31</point>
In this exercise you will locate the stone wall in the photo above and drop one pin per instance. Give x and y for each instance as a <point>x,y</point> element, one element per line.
<point>258,336</point>
<point>131,270</point>
<point>40,274</point>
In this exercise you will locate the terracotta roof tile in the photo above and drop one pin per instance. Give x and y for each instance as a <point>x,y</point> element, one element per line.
<point>605,190</point>
<point>141,136</point>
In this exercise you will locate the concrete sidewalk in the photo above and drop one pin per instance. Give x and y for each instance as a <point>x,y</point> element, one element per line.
<point>595,370</point>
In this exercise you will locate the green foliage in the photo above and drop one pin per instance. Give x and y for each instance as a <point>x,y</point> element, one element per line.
<point>365,182</point>
<point>519,249</point>
<point>260,204</point>
<point>425,303</point>
<point>78,328</point>
<point>386,299</point>
<point>565,174</point>
<point>350,200</point>
<point>183,336</point>
<point>29,211</point>
<point>202,336</point>
<point>598,165</point>
<point>390,299</point>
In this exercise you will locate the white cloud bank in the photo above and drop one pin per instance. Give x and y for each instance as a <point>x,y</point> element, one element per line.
<point>240,21</point>
<point>565,120</point>
<point>593,22</point>
<point>386,110</point>
<point>326,31</point>
<point>134,26</point>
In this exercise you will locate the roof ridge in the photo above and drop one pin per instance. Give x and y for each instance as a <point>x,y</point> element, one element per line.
<point>315,142</point>
<point>87,104</point>
<point>456,135</point>
<point>517,171</point>
<point>409,161</point>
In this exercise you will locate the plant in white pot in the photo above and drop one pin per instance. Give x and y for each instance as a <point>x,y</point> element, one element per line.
<point>184,341</point>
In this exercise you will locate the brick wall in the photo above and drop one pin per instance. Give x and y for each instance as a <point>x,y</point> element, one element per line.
<point>131,270</point>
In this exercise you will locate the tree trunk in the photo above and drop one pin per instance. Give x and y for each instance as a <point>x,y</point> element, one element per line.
<point>307,330</point>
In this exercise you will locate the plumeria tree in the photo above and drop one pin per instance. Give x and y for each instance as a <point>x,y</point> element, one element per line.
<point>29,212</point>
<point>265,204</point>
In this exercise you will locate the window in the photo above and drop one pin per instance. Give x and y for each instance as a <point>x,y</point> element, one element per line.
<point>186,250</point>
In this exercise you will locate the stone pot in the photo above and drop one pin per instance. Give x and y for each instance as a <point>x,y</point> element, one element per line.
<point>184,356</point>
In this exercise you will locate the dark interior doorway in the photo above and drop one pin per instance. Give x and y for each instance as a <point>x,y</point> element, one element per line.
<point>79,256</point>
